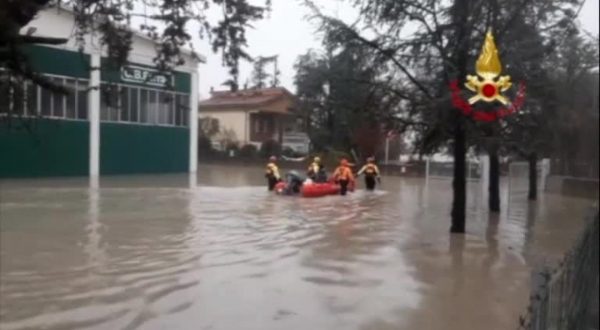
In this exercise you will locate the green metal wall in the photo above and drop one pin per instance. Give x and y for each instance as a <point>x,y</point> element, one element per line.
<point>136,149</point>
<point>43,147</point>
<point>58,61</point>
<point>51,147</point>
<point>74,64</point>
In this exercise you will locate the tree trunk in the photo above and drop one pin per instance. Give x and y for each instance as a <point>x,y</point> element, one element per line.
<point>532,176</point>
<point>494,184</point>
<point>460,15</point>
<point>459,185</point>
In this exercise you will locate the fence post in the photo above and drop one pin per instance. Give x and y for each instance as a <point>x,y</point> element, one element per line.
<point>545,173</point>
<point>387,150</point>
<point>484,162</point>
<point>427,170</point>
<point>563,297</point>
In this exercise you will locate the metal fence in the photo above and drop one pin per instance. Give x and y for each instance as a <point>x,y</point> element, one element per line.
<point>575,169</point>
<point>445,170</point>
<point>566,297</point>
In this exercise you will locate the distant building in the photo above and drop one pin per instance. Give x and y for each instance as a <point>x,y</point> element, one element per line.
<point>126,120</point>
<point>251,116</point>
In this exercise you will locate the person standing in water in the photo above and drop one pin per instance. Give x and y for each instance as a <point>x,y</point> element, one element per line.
<point>272,173</point>
<point>316,171</point>
<point>343,175</point>
<point>371,172</point>
<point>294,183</point>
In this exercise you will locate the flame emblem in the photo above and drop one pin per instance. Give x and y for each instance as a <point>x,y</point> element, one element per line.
<point>488,84</point>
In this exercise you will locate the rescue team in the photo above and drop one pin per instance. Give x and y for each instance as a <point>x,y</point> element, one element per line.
<point>316,173</point>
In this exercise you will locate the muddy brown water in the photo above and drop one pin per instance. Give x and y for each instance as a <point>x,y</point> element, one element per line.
<point>217,251</point>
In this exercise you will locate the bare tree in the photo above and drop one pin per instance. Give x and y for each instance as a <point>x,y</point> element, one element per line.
<point>425,44</point>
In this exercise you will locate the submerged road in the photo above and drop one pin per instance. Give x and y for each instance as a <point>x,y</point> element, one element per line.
<point>159,252</point>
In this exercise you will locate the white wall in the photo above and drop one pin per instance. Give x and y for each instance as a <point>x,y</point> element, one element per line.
<point>58,24</point>
<point>230,120</point>
<point>143,51</point>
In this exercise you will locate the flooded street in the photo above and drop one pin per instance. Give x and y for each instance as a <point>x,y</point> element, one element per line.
<point>162,252</point>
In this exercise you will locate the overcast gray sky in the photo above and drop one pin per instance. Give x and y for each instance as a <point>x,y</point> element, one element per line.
<point>288,34</point>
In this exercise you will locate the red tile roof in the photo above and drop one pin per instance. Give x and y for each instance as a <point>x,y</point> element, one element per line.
<point>244,98</point>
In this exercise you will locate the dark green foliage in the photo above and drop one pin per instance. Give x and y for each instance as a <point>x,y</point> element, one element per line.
<point>248,151</point>
<point>204,147</point>
<point>337,91</point>
<point>260,75</point>
<point>227,35</point>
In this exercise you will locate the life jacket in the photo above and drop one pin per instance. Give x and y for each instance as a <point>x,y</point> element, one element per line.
<point>272,170</point>
<point>343,173</point>
<point>371,170</point>
<point>314,168</point>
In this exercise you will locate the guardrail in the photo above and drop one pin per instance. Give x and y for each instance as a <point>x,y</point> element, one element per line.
<point>566,296</point>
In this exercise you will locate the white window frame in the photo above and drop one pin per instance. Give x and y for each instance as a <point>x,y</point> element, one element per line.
<point>155,108</point>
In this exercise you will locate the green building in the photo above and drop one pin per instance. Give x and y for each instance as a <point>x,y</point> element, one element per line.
<point>131,119</point>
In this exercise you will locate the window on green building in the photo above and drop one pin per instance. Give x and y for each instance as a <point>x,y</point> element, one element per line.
<point>82,99</point>
<point>31,100</point>
<point>182,109</point>
<point>71,98</point>
<point>152,108</point>
<point>130,104</point>
<point>109,102</point>
<point>144,105</point>
<point>172,108</point>
<point>46,102</point>
<point>124,103</point>
<point>134,104</point>
<point>58,99</point>
<point>12,95</point>
<point>164,108</point>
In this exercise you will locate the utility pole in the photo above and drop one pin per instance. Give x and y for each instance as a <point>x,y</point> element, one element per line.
<point>276,73</point>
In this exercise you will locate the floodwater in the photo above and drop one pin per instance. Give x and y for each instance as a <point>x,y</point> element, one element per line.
<point>217,251</point>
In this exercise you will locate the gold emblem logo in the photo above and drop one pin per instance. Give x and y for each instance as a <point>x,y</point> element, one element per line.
<point>488,84</point>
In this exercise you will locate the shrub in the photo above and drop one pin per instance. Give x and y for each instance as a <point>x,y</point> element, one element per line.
<point>231,146</point>
<point>248,151</point>
<point>205,148</point>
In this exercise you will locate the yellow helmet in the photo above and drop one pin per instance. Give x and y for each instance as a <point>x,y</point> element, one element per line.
<point>317,160</point>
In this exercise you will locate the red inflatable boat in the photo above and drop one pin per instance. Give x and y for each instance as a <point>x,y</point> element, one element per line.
<point>312,190</point>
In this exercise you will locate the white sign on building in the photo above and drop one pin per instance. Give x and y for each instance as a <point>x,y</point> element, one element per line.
<point>146,76</point>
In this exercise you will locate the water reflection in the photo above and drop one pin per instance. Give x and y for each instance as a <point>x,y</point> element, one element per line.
<point>457,248</point>
<point>94,247</point>
<point>217,251</point>
<point>101,256</point>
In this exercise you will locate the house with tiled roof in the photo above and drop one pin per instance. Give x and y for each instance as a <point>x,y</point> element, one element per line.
<point>251,116</point>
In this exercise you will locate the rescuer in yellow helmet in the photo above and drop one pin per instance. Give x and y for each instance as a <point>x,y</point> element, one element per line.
<point>272,173</point>
<point>316,171</point>
<point>371,172</point>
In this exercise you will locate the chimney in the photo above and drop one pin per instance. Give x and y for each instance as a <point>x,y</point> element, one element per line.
<point>212,90</point>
